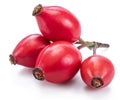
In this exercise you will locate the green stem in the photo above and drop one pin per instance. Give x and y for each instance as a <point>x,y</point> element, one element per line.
<point>82,41</point>
<point>91,45</point>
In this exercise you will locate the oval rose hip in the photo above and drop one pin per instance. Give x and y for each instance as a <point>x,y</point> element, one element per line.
<point>97,71</point>
<point>57,23</point>
<point>58,62</point>
<point>26,51</point>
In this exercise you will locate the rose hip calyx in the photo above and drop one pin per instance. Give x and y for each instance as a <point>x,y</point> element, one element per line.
<point>97,82</point>
<point>37,10</point>
<point>38,74</point>
<point>12,59</point>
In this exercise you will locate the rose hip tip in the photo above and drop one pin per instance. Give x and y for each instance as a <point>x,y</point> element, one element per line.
<point>37,10</point>
<point>97,82</point>
<point>38,74</point>
<point>12,59</point>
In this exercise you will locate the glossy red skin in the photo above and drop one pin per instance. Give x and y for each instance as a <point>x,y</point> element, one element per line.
<point>57,23</point>
<point>27,50</point>
<point>97,66</point>
<point>59,61</point>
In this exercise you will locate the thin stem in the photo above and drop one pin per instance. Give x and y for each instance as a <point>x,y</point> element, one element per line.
<point>82,41</point>
<point>86,44</point>
<point>94,48</point>
<point>91,45</point>
<point>102,45</point>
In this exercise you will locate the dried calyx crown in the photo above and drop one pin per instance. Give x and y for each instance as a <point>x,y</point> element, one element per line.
<point>37,10</point>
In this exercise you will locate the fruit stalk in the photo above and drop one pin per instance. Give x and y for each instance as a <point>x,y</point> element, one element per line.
<point>91,45</point>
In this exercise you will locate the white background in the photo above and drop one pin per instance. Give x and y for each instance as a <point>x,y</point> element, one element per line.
<point>100,21</point>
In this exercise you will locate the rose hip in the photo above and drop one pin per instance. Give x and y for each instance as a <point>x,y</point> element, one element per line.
<point>58,62</point>
<point>27,50</point>
<point>97,71</point>
<point>57,23</point>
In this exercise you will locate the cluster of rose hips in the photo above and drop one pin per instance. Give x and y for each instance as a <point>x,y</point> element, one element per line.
<point>54,56</point>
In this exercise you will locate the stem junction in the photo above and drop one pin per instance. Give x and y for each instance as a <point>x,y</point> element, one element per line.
<point>91,45</point>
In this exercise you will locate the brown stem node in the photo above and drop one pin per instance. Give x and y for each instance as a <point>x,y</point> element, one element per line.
<point>38,74</point>
<point>97,82</point>
<point>12,59</point>
<point>37,10</point>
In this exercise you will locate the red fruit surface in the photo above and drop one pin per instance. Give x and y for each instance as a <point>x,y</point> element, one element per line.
<point>57,23</point>
<point>26,51</point>
<point>58,62</point>
<point>97,71</point>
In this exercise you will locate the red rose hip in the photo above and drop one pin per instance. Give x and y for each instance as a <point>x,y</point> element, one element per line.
<point>58,62</point>
<point>57,23</point>
<point>26,51</point>
<point>97,71</point>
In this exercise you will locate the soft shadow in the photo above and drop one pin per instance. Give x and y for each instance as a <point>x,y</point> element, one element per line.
<point>98,93</point>
<point>72,84</point>
<point>26,72</point>
<point>105,89</point>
